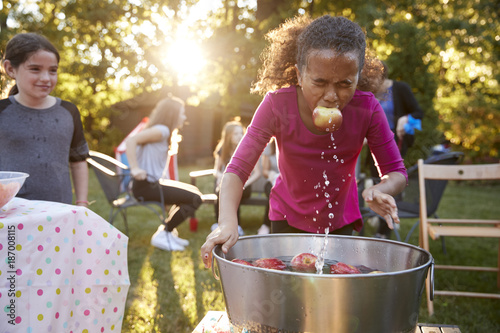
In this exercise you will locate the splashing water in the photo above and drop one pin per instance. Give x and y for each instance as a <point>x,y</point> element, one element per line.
<point>321,256</point>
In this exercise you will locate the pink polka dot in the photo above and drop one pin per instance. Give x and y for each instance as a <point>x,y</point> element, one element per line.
<point>86,312</point>
<point>107,251</point>
<point>89,272</point>
<point>58,229</point>
<point>19,271</point>
<point>20,226</point>
<point>18,320</point>
<point>89,233</point>
<point>105,289</point>
<point>73,250</point>
<point>119,272</point>
<point>58,271</point>
<point>39,292</point>
<point>40,248</point>
<point>119,236</point>
<point>57,315</point>
<point>102,329</point>
<point>72,290</point>
<point>1,246</point>
<point>115,309</point>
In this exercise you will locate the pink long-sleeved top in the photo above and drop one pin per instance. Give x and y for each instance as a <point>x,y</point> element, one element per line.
<point>316,188</point>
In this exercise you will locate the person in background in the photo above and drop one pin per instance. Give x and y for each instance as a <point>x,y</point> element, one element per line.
<point>404,116</point>
<point>270,171</point>
<point>147,154</point>
<point>311,63</point>
<point>231,135</point>
<point>40,134</point>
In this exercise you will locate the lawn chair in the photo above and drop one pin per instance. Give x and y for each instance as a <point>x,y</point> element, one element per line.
<point>456,227</point>
<point>112,176</point>
<point>408,202</point>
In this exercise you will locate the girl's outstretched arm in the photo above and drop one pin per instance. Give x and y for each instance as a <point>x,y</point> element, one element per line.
<point>227,231</point>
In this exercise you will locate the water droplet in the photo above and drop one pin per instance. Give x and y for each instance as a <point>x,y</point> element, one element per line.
<point>327,195</point>
<point>337,189</point>
<point>331,215</point>
<point>330,205</point>
<point>342,161</point>
<point>317,212</point>
<point>314,219</point>
<point>327,183</point>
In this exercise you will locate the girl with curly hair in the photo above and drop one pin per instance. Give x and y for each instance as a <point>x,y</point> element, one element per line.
<point>311,63</point>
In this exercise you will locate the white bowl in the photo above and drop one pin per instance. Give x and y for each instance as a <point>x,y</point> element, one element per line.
<point>10,183</point>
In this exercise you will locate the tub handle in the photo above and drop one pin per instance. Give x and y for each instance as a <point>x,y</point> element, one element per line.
<point>213,268</point>
<point>431,282</point>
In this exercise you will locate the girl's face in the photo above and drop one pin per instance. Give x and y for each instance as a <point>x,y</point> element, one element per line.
<point>36,77</point>
<point>237,135</point>
<point>329,79</point>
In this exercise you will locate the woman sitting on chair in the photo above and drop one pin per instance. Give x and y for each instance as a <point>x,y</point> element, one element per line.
<point>147,153</point>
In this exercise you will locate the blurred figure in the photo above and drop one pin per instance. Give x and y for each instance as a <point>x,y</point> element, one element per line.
<point>270,171</point>
<point>231,135</point>
<point>147,154</point>
<point>404,116</point>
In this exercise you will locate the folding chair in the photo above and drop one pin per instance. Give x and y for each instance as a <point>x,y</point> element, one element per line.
<point>112,176</point>
<point>456,227</point>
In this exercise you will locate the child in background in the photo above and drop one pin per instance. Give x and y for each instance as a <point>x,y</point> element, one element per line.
<point>41,135</point>
<point>231,135</point>
<point>270,171</point>
<point>310,64</point>
<point>147,154</point>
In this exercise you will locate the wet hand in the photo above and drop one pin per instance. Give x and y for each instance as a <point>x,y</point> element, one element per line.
<point>221,235</point>
<point>382,204</point>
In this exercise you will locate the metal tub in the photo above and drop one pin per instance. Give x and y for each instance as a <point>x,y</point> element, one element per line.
<point>261,300</point>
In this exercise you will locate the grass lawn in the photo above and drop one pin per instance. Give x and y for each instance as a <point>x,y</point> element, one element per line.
<point>172,291</point>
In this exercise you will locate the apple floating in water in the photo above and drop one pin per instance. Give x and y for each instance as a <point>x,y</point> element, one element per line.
<point>304,262</point>
<point>327,119</point>
<point>270,263</point>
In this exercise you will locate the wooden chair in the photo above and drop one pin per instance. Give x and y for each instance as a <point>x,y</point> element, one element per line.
<point>459,227</point>
<point>113,176</point>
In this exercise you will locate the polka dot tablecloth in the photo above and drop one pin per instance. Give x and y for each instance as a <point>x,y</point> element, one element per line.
<point>62,269</point>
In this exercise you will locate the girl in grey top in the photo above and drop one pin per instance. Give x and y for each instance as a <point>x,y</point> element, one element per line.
<point>147,154</point>
<point>41,134</point>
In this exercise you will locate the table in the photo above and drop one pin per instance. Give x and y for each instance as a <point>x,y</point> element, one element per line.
<point>62,269</point>
<point>218,322</point>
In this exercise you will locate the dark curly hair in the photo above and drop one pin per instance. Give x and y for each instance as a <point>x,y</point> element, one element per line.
<point>293,40</point>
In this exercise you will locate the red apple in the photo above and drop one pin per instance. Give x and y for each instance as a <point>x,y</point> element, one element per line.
<point>270,263</point>
<point>304,262</point>
<point>327,119</point>
<point>241,261</point>
<point>341,268</point>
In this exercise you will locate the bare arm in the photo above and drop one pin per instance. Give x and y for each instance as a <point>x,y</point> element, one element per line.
<point>380,199</point>
<point>80,177</point>
<point>227,231</point>
<point>147,135</point>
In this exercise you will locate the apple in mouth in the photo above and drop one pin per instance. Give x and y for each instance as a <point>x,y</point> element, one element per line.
<point>327,119</point>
